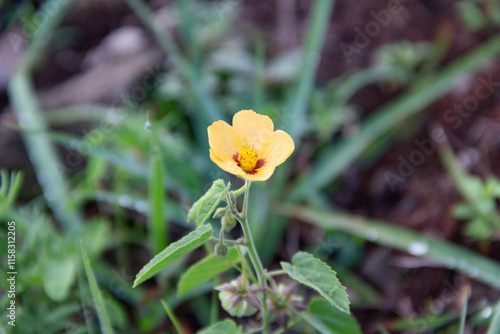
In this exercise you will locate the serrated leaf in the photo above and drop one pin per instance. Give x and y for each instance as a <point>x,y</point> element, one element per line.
<point>173,252</point>
<point>203,270</point>
<point>318,275</point>
<point>329,320</point>
<point>203,208</point>
<point>222,327</point>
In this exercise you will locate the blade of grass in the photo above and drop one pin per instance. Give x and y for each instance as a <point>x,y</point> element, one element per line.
<point>47,165</point>
<point>158,227</point>
<point>112,157</point>
<point>137,203</point>
<point>84,296</point>
<point>463,316</point>
<point>172,318</point>
<point>205,101</point>
<point>188,29</point>
<point>494,327</point>
<point>296,105</point>
<point>298,98</point>
<point>82,114</point>
<point>425,91</point>
<point>96,294</point>
<point>447,254</point>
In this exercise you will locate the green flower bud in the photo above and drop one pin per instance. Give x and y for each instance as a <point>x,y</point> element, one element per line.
<point>221,250</point>
<point>236,305</point>
<point>230,222</point>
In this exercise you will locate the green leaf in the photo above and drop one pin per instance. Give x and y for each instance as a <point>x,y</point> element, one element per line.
<point>173,252</point>
<point>222,327</point>
<point>203,270</point>
<point>329,320</point>
<point>58,278</point>
<point>206,205</point>
<point>390,235</point>
<point>96,294</point>
<point>318,275</point>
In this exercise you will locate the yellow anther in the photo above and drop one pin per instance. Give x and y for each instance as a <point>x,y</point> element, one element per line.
<point>247,159</point>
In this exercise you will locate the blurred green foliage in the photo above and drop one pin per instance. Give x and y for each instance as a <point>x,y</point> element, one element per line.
<point>128,195</point>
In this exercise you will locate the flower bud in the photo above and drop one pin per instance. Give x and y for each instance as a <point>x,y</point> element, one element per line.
<point>221,250</point>
<point>239,300</point>
<point>281,310</point>
<point>219,212</point>
<point>230,222</point>
<point>235,305</point>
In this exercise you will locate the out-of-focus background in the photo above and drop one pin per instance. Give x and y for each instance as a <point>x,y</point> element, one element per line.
<point>394,107</point>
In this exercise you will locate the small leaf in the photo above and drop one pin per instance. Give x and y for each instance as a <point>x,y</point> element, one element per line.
<point>203,270</point>
<point>206,205</point>
<point>173,252</point>
<point>222,327</point>
<point>318,275</point>
<point>329,320</point>
<point>464,211</point>
<point>58,278</point>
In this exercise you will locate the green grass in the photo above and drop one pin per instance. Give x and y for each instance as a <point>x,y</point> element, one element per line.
<point>130,200</point>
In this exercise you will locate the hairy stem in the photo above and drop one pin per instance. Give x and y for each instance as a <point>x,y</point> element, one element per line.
<point>257,264</point>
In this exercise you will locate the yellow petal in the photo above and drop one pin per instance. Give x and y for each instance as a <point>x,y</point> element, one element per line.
<point>229,166</point>
<point>224,140</point>
<point>262,174</point>
<point>277,149</point>
<point>254,129</point>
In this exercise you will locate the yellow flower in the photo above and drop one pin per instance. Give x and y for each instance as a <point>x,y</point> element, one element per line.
<point>249,148</point>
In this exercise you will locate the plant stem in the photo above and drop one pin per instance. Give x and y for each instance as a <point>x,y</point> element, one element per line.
<point>277,272</point>
<point>257,264</point>
<point>230,242</point>
<point>243,267</point>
